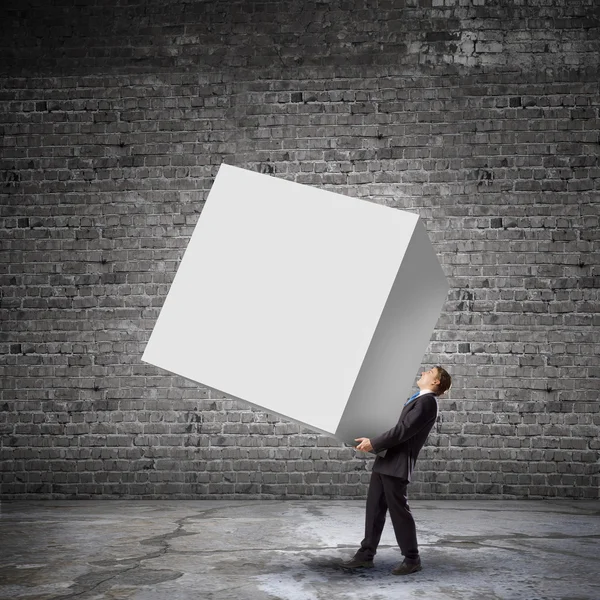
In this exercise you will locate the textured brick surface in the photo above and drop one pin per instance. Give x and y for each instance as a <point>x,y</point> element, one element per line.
<point>482,116</point>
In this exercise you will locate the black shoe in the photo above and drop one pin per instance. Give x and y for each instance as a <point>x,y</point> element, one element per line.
<point>405,568</point>
<point>357,563</point>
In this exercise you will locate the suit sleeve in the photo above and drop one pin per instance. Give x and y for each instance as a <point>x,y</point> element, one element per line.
<point>409,425</point>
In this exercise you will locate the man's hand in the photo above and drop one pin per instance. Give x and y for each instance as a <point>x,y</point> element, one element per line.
<point>365,444</point>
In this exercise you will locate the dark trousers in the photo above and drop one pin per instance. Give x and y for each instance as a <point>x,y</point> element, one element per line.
<point>388,493</point>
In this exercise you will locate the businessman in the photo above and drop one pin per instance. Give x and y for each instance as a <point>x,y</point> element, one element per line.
<point>392,472</point>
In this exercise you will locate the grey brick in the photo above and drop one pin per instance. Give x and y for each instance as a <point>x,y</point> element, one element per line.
<point>103,179</point>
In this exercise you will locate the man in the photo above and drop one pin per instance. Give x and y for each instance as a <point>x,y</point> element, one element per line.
<point>392,472</point>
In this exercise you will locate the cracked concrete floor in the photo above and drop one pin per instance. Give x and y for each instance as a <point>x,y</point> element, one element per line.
<point>289,550</point>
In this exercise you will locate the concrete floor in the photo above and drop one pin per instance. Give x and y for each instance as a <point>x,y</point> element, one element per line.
<point>289,550</point>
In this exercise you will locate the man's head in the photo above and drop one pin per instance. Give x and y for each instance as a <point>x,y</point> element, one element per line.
<point>437,380</point>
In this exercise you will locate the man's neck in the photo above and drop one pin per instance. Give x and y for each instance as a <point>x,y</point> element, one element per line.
<point>427,391</point>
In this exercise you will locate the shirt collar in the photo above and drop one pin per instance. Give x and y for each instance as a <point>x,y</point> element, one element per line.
<point>426,392</point>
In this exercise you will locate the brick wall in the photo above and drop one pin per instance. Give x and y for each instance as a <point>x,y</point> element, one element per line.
<point>481,115</point>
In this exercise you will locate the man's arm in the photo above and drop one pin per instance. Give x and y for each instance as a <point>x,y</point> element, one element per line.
<point>408,426</point>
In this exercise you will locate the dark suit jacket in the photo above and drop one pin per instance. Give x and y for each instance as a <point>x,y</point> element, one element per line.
<point>404,441</point>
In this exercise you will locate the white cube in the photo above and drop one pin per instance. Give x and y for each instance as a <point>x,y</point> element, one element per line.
<point>312,305</point>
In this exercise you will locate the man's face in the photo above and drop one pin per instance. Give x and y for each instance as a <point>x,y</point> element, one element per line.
<point>429,379</point>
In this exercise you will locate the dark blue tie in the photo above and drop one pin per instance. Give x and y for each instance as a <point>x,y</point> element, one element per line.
<point>411,398</point>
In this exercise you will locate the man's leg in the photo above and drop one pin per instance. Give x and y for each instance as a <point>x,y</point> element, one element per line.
<point>402,519</point>
<point>374,518</point>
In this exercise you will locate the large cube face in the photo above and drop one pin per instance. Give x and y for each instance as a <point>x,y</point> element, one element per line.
<point>312,305</point>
